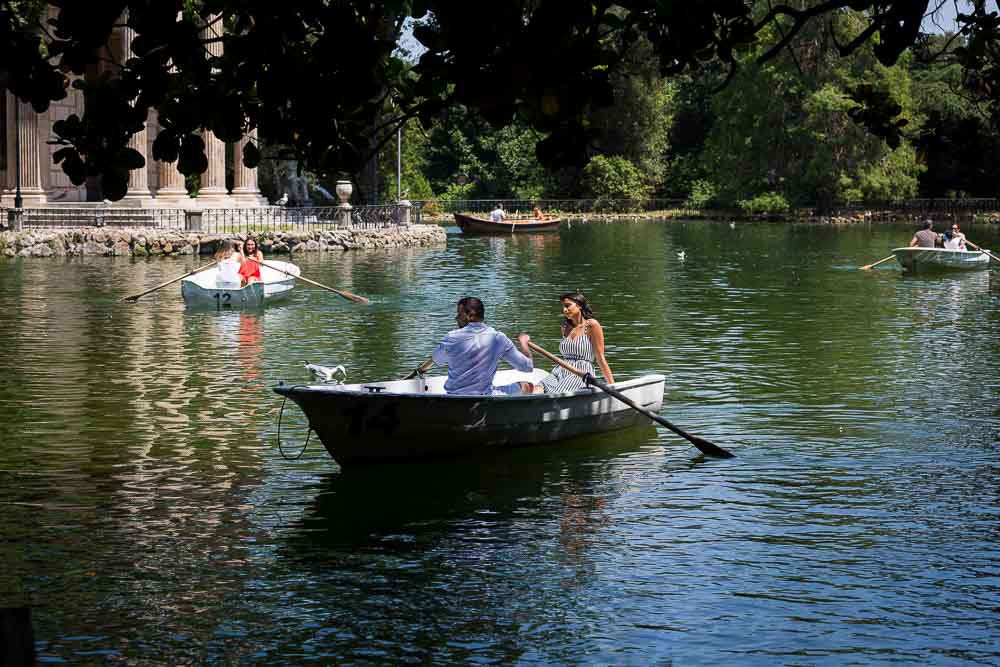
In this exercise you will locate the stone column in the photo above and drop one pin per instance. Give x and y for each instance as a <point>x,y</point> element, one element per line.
<point>245,189</point>
<point>213,182</point>
<point>172,190</point>
<point>23,136</point>
<point>138,179</point>
<point>9,130</point>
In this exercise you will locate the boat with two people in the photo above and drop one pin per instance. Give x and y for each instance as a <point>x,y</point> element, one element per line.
<point>470,224</point>
<point>411,419</point>
<point>206,288</point>
<point>915,258</point>
<point>415,418</point>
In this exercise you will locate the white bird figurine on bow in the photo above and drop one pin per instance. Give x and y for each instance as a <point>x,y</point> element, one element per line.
<point>282,200</point>
<point>327,373</point>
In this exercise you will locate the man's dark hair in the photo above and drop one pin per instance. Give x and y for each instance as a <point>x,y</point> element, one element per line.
<point>473,307</point>
<point>928,224</point>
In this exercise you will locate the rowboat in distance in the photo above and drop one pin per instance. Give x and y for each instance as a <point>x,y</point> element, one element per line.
<point>470,224</point>
<point>202,288</point>
<point>406,420</point>
<point>941,259</point>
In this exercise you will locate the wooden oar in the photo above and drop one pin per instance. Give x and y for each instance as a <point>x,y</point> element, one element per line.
<point>706,447</point>
<point>422,368</point>
<point>871,266</point>
<point>347,295</point>
<point>135,297</point>
<point>983,250</point>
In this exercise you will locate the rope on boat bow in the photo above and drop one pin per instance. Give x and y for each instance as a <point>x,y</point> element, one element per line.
<point>281,449</point>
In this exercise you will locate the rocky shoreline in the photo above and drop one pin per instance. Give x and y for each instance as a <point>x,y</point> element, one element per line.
<point>146,242</point>
<point>797,216</point>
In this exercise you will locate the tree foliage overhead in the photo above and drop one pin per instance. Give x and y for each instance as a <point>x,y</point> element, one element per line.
<point>321,77</point>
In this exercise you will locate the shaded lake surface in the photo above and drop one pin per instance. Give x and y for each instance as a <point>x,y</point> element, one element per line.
<point>149,517</point>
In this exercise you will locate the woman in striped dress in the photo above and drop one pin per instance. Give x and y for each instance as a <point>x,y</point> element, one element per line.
<point>582,346</point>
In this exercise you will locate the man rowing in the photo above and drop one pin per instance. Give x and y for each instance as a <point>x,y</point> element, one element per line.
<point>473,351</point>
<point>926,237</point>
<point>498,214</point>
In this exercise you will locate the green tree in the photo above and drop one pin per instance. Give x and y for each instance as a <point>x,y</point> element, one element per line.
<point>785,127</point>
<point>547,63</point>
<point>614,178</point>
<point>637,125</point>
<point>958,139</point>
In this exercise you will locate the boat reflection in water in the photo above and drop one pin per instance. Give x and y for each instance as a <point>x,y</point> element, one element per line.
<point>388,505</point>
<point>955,295</point>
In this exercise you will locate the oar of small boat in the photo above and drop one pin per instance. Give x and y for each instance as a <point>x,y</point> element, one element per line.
<point>706,447</point>
<point>347,295</point>
<point>135,297</point>
<point>872,266</point>
<point>983,250</point>
<point>421,369</point>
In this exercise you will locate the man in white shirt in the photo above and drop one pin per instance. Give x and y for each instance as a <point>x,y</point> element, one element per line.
<point>474,350</point>
<point>498,214</point>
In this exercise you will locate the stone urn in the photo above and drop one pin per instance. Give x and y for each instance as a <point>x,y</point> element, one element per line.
<point>344,190</point>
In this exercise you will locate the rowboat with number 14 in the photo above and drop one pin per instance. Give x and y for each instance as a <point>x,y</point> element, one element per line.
<point>412,419</point>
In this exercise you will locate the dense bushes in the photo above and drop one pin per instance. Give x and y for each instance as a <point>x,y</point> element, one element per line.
<point>608,179</point>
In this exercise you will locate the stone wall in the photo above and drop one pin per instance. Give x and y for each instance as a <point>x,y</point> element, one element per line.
<point>144,242</point>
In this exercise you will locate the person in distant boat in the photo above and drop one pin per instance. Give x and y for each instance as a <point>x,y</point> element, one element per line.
<point>250,266</point>
<point>498,214</point>
<point>582,346</point>
<point>229,262</point>
<point>537,214</point>
<point>252,251</point>
<point>955,239</point>
<point>926,237</point>
<point>473,351</point>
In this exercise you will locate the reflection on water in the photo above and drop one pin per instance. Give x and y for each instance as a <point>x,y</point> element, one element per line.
<point>353,509</point>
<point>149,517</point>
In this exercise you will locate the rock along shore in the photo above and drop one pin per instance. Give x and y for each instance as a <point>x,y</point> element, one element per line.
<point>145,242</point>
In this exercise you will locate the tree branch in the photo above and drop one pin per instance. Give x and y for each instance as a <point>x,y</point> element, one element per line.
<point>800,16</point>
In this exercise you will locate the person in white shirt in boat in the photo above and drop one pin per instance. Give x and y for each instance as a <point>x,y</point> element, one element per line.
<point>955,239</point>
<point>473,351</point>
<point>926,237</point>
<point>498,214</point>
<point>229,258</point>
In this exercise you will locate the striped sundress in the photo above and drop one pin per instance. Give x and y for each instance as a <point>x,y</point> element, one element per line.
<point>577,352</point>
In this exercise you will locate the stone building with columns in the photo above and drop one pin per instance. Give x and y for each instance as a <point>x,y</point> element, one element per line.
<point>158,184</point>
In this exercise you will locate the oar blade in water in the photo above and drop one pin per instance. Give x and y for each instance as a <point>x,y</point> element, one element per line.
<point>709,448</point>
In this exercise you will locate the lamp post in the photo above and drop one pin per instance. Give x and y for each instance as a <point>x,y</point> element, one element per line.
<point>399,162</point>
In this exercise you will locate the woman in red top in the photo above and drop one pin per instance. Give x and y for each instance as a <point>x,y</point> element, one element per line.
<point>250,268</point>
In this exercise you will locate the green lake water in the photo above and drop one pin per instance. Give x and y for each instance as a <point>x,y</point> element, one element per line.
<point>147,515</point>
